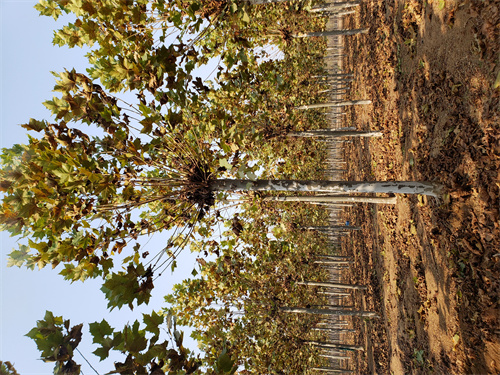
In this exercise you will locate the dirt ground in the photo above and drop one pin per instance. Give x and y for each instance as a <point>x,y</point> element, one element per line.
<point>432,71</point>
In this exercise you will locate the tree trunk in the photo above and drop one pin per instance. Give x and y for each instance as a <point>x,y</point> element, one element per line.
<point>334,330</point>
<point>336,345</point>
<point>303,310</point>
<point>331,227</point>
<point>333,369</point>
<point>334,199</point>
<point>333,262</point>
<point>331,33</point>
<point>334,75</point>
<point>260,2</point>
<point>334,257</point>
<point>319,186</point>
<point>335,6</point>
<point>340,357</point>
<point>334,133</point>
<point>333,285</point>
<point>335,104</point>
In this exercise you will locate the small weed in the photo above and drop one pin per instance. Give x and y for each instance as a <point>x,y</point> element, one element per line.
<point>447,134</point>
<point>411,334</point>
<point>461,268</point>
<point>421,64</point>
<point>418,357</point>
<point>415,281</point>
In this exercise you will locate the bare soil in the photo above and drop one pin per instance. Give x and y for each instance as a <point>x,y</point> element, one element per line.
<point>433,267</point>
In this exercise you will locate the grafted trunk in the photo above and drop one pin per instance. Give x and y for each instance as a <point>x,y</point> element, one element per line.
<point>322,186</point>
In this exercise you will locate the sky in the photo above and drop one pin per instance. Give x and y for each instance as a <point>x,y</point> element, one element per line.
<point>27,58</point>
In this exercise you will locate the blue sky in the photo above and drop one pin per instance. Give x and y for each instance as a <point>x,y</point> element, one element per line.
<point>27,57</point>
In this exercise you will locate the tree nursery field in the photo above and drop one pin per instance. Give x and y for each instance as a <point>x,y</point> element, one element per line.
<point>335,177</point>
<point>432,71</point>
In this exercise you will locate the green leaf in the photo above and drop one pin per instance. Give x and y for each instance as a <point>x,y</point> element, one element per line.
<point>153,322</point>
<point>100,330</point>
<point>225,363</point>
<point>135,339</point>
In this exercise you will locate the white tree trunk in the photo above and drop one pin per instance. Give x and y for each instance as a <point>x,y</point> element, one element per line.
<point>322,186</point>
<point>332,370</point>
<point>331,227</point>
<point>341,357</point>
<point>335,6</point>
<point>332,33</point>
<point>336,345</point>
<point>303,310</point>
<point>335,104</point>
<point>333,262</point>
<point>333,285</point>
<point>260,2</point>
<point>334,330</point>
<point>334,199</point>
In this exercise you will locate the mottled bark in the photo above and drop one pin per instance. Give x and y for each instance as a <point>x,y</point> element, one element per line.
<point>318,186</point>
<point>334,199</point>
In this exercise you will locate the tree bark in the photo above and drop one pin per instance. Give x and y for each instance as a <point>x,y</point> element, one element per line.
<point>334,199</point>
<point>319,186</point>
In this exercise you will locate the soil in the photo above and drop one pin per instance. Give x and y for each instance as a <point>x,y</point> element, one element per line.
<point>432,71</point>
